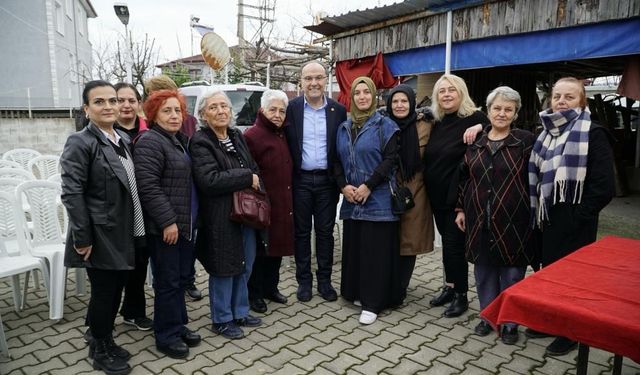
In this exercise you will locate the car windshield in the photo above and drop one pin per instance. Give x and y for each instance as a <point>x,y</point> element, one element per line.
<point>245,106</point>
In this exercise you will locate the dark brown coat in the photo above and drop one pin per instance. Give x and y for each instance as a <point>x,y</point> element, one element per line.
<point>268,146</point>
<point>416,225</point>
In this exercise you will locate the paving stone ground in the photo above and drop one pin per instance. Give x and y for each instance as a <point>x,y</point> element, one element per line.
<point>316,337</point>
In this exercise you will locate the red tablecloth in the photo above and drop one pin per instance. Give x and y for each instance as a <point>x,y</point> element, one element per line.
<point>591,295</point>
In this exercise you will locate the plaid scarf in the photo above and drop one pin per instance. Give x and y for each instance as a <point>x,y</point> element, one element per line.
<point>558,162</point>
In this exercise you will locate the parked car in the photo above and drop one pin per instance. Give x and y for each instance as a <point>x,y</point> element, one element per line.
<point>245,99</point>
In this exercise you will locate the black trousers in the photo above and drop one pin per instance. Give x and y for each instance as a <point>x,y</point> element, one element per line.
<point>456,267</point>
<point>106,293</point>
<point>264,277</point>
<point>406,264</point>
<point>134,303</point>
<point>314,197</point>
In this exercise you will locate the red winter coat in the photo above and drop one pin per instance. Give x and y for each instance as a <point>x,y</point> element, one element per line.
<point>268,146</point>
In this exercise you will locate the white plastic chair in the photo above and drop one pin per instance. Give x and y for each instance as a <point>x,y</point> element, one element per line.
<point>9,185</point>
<point>21,174</point>
<point>44,166</point>
<point>55,178</point>
<point>17,261</point>
<point>45,240</point>
<point>9,164</point>
<point>4,349</point>
<point>21,156</point>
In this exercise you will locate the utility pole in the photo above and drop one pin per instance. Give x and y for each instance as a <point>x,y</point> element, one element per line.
<point>265,15</point>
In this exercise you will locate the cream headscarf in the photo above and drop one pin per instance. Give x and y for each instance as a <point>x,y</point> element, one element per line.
<point>359,117</point>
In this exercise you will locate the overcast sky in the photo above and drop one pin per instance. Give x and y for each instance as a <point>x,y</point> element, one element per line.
<point>168,21</point>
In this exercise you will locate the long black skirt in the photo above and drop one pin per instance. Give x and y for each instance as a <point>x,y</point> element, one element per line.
<point>370,257</point>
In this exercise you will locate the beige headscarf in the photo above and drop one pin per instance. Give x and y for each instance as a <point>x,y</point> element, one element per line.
<point>359,117</point>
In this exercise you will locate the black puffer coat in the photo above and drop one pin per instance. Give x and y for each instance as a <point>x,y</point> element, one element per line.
<point>217,176</point>
<point>163,174</point>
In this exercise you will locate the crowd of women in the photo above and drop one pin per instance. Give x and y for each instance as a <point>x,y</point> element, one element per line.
<point>501,198</point>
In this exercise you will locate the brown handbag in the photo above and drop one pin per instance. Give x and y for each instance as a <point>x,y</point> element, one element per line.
<point>252,208</point>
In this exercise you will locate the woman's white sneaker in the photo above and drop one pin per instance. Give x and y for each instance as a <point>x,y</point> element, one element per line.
<point>367,317</point>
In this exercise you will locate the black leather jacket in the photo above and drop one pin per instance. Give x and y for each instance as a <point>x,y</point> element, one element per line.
<point>96,194</point>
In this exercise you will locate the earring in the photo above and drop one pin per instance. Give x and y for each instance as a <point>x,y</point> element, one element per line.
<point>86,115</point>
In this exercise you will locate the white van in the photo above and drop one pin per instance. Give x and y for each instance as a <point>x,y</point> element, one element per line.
<point>245,99</point>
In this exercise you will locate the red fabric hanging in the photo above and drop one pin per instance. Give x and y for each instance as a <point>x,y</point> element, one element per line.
<point>372,67</point>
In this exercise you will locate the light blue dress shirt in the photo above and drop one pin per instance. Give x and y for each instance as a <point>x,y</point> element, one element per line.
<point>314,137</point>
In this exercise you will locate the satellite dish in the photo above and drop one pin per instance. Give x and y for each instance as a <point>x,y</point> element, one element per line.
<point>215,51</point>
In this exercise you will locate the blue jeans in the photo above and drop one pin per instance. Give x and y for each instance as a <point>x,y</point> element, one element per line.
<point>171,265</point>
<point>229,296</point>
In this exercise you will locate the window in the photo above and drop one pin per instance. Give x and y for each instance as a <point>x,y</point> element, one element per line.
<point>81,20</point>
<point>59,17</point>
<point>68,4</point>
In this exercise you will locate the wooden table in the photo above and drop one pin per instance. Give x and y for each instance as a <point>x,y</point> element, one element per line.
<point>591,296</point>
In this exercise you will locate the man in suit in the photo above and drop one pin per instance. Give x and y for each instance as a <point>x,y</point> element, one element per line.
<point>313,120</point>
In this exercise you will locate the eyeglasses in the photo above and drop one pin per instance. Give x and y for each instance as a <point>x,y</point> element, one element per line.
<point>313,78</point>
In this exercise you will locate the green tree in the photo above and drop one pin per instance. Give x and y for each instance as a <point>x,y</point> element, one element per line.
<point>179,74</point>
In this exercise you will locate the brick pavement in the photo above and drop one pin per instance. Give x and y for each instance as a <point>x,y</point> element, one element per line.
<point>300,338</point>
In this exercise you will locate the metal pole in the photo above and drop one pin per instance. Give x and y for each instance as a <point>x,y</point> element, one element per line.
<point>330,68</point>
<point>447,54</point>
<point>129,53</point>
<point>268,70</point>
<point>29,100</point>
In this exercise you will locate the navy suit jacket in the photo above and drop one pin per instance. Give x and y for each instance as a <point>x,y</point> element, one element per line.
<point>336,114</point>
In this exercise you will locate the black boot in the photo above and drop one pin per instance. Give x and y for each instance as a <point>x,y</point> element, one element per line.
<point>118,351</point>
<point>458,306</point>
<point>445,296</point>
<point>104,360</point>
<point>114,350</point>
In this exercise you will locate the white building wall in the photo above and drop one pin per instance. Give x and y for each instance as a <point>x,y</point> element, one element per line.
<point>45,135</point>
<point>43,53</point>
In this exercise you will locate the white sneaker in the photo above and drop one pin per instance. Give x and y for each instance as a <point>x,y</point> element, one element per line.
<point>367,317</point>
<point>357,303</point>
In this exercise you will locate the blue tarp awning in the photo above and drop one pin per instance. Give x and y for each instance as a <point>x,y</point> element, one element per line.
<point>607,39</point>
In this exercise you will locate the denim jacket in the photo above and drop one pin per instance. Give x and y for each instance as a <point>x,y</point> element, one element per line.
<point>359,159</point>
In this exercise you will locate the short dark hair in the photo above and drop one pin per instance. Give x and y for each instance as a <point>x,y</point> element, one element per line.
<point>92,85</point>
<point>122,85</point>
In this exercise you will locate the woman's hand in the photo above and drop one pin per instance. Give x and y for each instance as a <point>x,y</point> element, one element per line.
<point>460,221</point>
<point>362,193</point>
<point>170,234</point>
<point>470,134</point>
<point>348,191</point>
<point>86,251</point>
<point>256,182</point>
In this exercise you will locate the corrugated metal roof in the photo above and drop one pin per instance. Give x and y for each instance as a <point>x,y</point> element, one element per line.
<point>336,24</point>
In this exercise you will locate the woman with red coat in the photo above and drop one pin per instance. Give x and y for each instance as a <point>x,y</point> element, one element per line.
<point>268,146</point>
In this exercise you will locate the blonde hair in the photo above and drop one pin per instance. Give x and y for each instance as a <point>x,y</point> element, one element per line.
<point>467,107</point>
<point>161,82</point>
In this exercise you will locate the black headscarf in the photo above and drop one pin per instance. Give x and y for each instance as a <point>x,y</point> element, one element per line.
<point>409,146</point>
